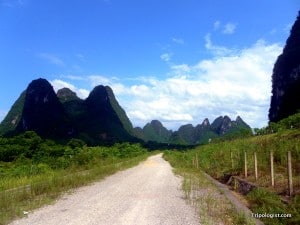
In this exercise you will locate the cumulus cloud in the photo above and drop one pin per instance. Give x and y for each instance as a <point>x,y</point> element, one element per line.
<point>59,84</point>
<point>233,82</point>
<point>113,82</point>
<point>72,77</point>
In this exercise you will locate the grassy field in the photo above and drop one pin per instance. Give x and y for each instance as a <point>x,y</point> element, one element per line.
<point>27,183</point>
<point>222,159</point>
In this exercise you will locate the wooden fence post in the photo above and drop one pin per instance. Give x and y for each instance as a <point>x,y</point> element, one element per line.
<point>255,166</point>
<point>245,164</point>
<point>231,158</point>
<point>290,176</point>
<point>272,168</point>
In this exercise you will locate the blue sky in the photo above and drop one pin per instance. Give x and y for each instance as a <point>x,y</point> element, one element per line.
<point>176,61</point>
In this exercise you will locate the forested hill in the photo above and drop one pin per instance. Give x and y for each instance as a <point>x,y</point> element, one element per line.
<point>189,135</point>
<point>97,119</point>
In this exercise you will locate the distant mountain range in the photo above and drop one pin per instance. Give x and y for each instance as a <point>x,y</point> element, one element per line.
<point>99,119</point>
<point>190,135</point>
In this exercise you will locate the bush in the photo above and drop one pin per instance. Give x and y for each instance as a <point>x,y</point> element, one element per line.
<point>76,143</point>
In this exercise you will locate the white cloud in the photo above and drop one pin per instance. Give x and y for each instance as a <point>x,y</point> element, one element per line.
<point>99,79</point>
<point>72,77</point>
<point>113,82</point>
<point>180,70</point>
<point>166,57</point>
<point>82,93</point>
<point>216,50</point>
<point>53,59</point>
<point>178,41</point>
<point>229,28</point>
<point>59,84</point>
<point>238,83</point>
<point>233,82</point>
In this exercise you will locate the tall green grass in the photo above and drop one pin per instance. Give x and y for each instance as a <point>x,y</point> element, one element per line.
<point>222,159</point>
<point>219,159</point>
<point>28,183</point>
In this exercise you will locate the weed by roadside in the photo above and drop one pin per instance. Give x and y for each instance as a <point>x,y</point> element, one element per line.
<point>208,200</point>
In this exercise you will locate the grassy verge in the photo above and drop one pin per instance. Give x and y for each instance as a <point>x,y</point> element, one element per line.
<point>264,201</point>
<point>30,190</point>
<point>222,159</point>
<point>213,206</point>
<point>225,158</point>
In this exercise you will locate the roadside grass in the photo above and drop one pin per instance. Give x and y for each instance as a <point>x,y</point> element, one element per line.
<point>206,197</point>
<point>224,159</point>
<point>263,201</point>
<point>25,192</point>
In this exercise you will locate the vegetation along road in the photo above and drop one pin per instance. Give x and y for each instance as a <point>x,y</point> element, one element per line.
<point>146,194</point>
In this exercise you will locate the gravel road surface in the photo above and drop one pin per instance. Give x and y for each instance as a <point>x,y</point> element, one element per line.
<point>146,194</point>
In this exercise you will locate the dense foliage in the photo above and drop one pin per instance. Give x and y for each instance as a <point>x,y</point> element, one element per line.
<point>289,123</point>
<point>28,153</point>
<point>155,131</point>
<point>13,118</point>
<point>34,171</point>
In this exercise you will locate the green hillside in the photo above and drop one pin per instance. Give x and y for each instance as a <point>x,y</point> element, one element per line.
<point>13,118</point>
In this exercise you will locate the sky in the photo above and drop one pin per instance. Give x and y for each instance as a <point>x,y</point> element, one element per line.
<point>178,61</point>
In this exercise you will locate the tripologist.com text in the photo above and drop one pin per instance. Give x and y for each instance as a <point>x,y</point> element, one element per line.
<point>271,215</point>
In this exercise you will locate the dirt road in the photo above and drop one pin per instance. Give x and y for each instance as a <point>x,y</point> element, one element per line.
<point>146,194</point>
